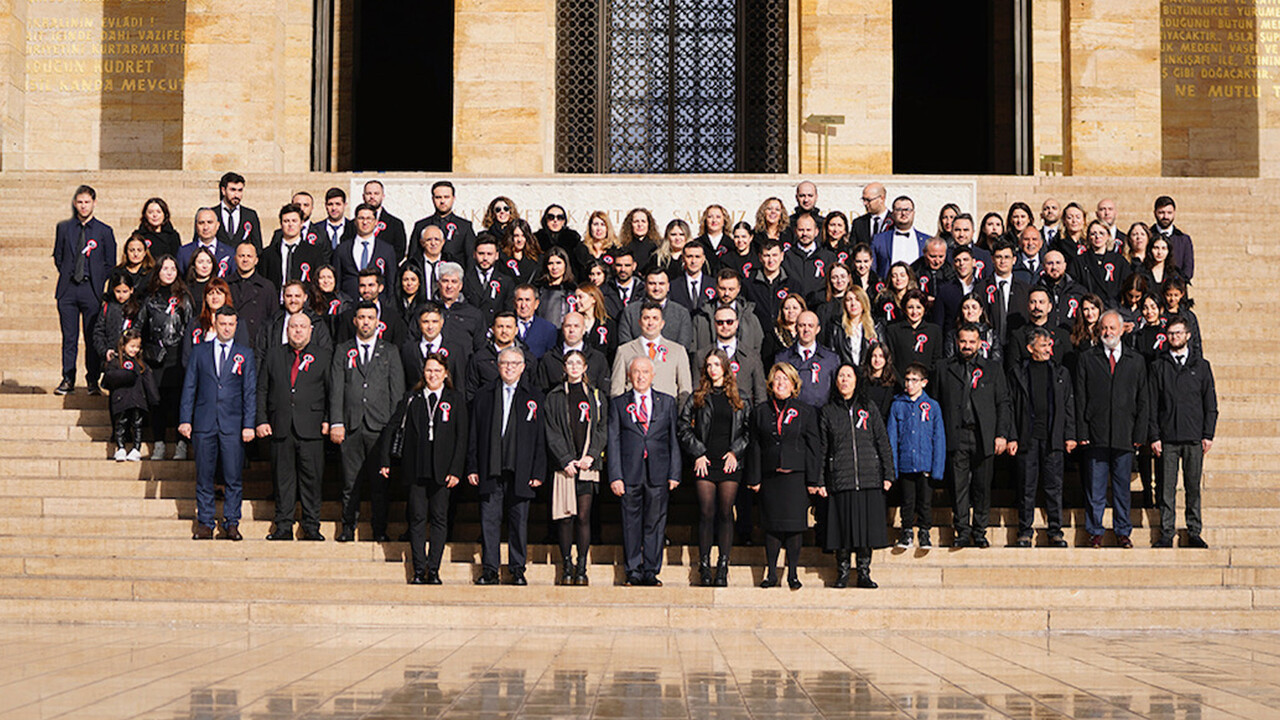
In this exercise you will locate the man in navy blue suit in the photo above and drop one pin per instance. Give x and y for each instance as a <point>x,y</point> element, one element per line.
<point>536,332</point>
<point>644,467</point>
<point>84,251</point>
<point>365,250</point>
<point>207,237</point>
<point>817,365</point>
<point>902,242</point>
<point>219,404</point>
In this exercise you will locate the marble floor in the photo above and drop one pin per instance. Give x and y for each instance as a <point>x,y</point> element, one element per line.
<point>206,673</point>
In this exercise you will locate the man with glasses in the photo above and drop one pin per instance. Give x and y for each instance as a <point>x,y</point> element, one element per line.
<point>876,218</point>
<point>901,242</point>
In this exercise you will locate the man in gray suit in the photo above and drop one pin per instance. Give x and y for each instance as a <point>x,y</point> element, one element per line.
<point>677,325</point>
<point>366,380</point>
<point>670,361</point>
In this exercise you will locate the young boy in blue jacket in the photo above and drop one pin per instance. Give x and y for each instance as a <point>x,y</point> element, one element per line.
<point>919,444</point>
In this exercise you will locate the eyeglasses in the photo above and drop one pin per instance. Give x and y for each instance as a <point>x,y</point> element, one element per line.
<point>511,363</point>
<point>914,380</point>
<point>501,208</point>
<point>730,321</point>
<point>553,216</point>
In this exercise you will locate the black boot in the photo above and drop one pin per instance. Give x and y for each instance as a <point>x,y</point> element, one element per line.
<point>722,571</point>
<point>120,434</point>
<point>864,571</point>
<point>842,569</point>
<point>135,425</point>
<point>580,575</point>
<point>566,572</point>
<point>704,571</point>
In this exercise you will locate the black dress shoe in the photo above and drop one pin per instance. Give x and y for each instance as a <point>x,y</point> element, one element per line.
<point>487,578</point>
<point>981,542</point>
<point>281,534</point>
<point>232,533</point>
<point>65,388</point>
<point>404,537</point>
<point>381,537</point>
<point>1164,542</point>
<point>202,533</point>
<point>633,581</point>
<point>517,578</point>
<point>960,542</point>
<point>769,581</point>
<point>433,577</point>
<point>312,536</point>
<point>347,535</point>
<point>1195,541</point>
<point>865,581</point>
<point>93,389</point>
<point>1023,542</point>
<point>652,581</point>
<point>1058,541</point>
<point>794,583</point>
<point>418,579</point>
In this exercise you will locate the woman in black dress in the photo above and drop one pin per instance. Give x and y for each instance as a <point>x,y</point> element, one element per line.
<point>713,429</point>
<point>555,285</point>
<point>328,301</point>
<point>784,462</point>
<point>857,472</point>
<point>433,457</point>
<point>576,435</point>
<point>881,382</point>
<point>742,256</point>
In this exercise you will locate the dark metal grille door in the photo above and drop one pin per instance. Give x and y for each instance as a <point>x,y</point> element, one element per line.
<point>671,86</point>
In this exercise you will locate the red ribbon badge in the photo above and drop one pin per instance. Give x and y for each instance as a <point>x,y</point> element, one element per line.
<point>381,226</point>
<point>662,353</point>
<point>978,267</point>
<point>311,238</point>
<point>197,335</point>
<point>89,247</point>
<point>862,419</point>
<point>128,365</point>
<point>248,227</point>
<point>603,332</point>
<point>494,287</point>
<point>128,323</point>
<point>515,267</point>
<point>924,411</point>
<point>608,259</point>
<point>173,305</point>
<point>842,257</point>
<point>879,287</point>
<point>890,311</point>
<point>352,354</point>
<point>533,411</point>
<point>991,294</point>
<point>382,265</point>
<point>631,410</point>
<point>306,362</point>
<point>710,293</point>
<point>237,368</point>
<point>789,415</point>
<point>1160,340</point>
<point>815,372</point>
<point>921,340</point>
<point>977,375</point>
<point>733,365</point>
<point>572,302</point>
<point>746,269</point>
<point>1111,271</point>
<point>306,272</point>
<point>382,327</point>
<point>444,411</point>
<point>1072,306</point>
<point>782,294</point>
<point>449,229</point>
<point>334,304</point>
<point>222,268</point>
<point>818,267</point>
<point>924,284</point>
<point>584,408</point>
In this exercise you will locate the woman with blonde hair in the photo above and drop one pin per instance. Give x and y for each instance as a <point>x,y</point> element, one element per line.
<point>596,244</point>
<point>771,221</point>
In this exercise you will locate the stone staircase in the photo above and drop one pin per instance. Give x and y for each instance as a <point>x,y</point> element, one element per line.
<point>87,540</point>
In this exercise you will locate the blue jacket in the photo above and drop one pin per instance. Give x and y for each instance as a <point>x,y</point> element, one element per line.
<point>917,435</point>
<point>224,403</point>
<point>540,336</point>
<point>882,249</point>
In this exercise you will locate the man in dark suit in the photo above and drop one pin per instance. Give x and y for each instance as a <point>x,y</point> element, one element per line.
<point>486,287</point>
<point>1181,250</point>
<point>1042,399</point>
<point>293,411</point>
<point>902,242</point>
<point>1004,296</point>
<point>363,252</point>
<point>551,364</point>
<point>311,233</point>
<point>254,297</point>
<point>506,462</point>
<point>235,221</point>
<point>291,256</point>
<point>460,316</point>
<point>807,262</point>
<point>876,218</point>
<point>625,288</point>
<point>387,227</point>
<point>1028,265</point>
<point>1039,315</point>
<point>84,251</point>
<point>747,326</point>
<point>482,367</point>
<point>366,380</point>
<point>459,236</point>
<point>975,413</point>
<point>693,288</point>
<point>216,413</point>
<point>677,325</point>
<point>433,338</point>
<point>370,288</point>
<point>336,227</point>
<point>1111,417</point>
<point>743,361</point>
<point>275,331</point>
<point>536,332</point>
<point>207,237</point>
<point>816,364</point>
<point>644,467</point>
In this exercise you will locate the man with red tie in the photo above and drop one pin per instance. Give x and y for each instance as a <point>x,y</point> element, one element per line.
<point>644,467</point>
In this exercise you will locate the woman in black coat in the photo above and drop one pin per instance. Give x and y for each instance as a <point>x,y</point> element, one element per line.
<point>165,315</point>
<point>882,383</point>
<point>576,436</point>
<point>433,456</point>
<point>713,428</point>
<point>156,228</point>
<point>783,464</point>
<point>857,472</point>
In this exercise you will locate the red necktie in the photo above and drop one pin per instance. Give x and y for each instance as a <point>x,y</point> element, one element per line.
<point>293,374</point>
<point>1111,358</point>
<point>643,414</point>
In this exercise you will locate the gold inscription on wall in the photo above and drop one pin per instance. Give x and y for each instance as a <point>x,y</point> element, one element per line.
<point>1217,57</point>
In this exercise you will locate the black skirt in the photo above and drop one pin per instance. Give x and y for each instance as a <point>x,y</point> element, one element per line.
<point>857,519</point>
<point>784,503</point>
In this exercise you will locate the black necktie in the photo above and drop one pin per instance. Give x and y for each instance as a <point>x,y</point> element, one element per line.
<point>79,272</point>
<point>231,223</point>
<point>364,354</point>
<point>225,350</point>
<point>288,261</point>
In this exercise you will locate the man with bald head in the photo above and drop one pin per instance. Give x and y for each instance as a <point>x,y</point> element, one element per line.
<point>1051,221</point>
<point>1028,265</point>
<point>1064,292</point>
<point>207,237</point>
<point>293,412</point>
<point>876,218</point>
<point>815,363</point>
<point>1106,213</point>
<point>644,467</point>
<point>551,364</point>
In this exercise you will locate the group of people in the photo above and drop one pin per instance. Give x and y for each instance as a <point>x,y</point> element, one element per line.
<point>804,363</point>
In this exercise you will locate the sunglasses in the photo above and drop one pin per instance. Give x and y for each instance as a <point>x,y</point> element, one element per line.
<point>501,208</point>
<point>726,322</point>
<point>555,216</point>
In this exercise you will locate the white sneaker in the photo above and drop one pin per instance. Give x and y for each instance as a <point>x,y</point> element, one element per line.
<point>180,452</point>
<point>134,456</point>
<point>906,539</point>
<point>120,455</point>
<point>157,450</point>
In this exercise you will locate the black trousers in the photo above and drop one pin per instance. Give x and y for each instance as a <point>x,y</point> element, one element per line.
<point>297,469</point>
<point>644,523</point>
<point>492,507</point>
<point>79,306</point>
<point>428,501</point>
<point>917,501</point>
<point>357,470</point>
<point>1038,464</point>
<point>126,427</point>
<point>971,475</point>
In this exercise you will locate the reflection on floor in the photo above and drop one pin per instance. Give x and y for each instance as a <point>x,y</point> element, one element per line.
<point>87,672</point>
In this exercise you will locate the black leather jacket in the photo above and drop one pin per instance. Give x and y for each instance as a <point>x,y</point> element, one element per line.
<point>694,427</point>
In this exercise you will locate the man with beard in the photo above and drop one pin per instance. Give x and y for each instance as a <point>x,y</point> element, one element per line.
<point>806,263</point>
<point>1064,292</point>
<point>748,334</point>
<point>235,221</point>
<point>459,235</point>
<point>1040,315</point>
<point>388,228</point>
<point>1051,221</point>
<point>1181,251</point>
